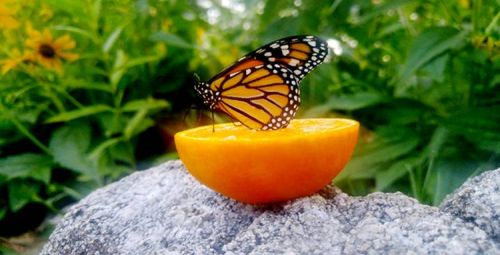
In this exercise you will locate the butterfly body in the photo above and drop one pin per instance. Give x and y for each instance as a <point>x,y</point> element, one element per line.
<point>261,90</point>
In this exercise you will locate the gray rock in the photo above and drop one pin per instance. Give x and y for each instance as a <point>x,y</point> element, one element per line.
<point>478,201</point>
<point>165,211</point>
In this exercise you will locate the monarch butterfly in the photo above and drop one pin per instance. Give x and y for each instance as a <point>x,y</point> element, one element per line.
<point>261,90</point>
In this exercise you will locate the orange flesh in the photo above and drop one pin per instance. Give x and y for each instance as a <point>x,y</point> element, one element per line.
<point>268,166</point>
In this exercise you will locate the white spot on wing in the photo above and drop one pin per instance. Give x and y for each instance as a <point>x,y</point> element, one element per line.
<point>294,62</point>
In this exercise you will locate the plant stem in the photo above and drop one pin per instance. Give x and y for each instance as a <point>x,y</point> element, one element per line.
<point>30,136</point>
<point>59,105</point>
<point>71,98</point>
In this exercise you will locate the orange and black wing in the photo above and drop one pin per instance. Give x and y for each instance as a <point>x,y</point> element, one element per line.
<point>261,90</point>
<point>260,95</point>
<point>300,54</point>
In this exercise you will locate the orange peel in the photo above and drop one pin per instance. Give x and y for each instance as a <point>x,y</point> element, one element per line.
<point>268,166</point>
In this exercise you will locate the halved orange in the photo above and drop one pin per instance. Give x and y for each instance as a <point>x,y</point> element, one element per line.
<point>268,166</point>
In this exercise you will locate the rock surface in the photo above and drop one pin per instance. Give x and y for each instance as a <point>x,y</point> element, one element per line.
<point>165,211</point>
<point>478,201</point>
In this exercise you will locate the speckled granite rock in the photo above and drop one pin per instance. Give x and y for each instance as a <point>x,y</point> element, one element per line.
<point>478,201</point>
<point>165,211</point>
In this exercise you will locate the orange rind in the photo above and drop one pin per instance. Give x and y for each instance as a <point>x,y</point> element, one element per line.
<point>268,166</point>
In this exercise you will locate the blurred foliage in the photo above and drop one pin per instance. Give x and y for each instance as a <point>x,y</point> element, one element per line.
<point>90,90</point>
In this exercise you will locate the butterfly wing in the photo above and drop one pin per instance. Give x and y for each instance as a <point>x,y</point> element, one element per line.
<point>261,89</point>
<point>261,96</point>
<point>300,54</point>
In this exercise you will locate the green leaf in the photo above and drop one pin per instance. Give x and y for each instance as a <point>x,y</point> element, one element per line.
<point>389,144</point>
<point>118,69</point>
<point>28,165</point>
<point>137,125</point>
<point>438,138</point>
<point>112,123</point>
<point>108,167</point>
<point>88,85</point>
<point>346,102</point>
<point>147,104</point>
<point>103,146</point>
<point>170,39</point>
<point>130,129</point>
<point>478,125</point>
<point>76,31</point>
<point>21,193</point>
<point>402,111</point>
<point>79,113</point>
<point>72,7</point>
<point>69,145</point>
<point>452,173</point>
<point>382,9</point>
<point>142,60</point>
<point>281,27</point>
<point>385,178</point>
<point>108,44</point>
<point>428,45</point>
<point>355,101</point>
<point>436,68</point>
<point>77,189</point>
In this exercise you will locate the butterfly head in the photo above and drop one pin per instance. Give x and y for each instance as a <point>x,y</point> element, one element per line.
<point>207,95</point>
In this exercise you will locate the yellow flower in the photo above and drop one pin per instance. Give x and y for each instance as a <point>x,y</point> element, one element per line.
<point>14,60</point>
<point>49,51</point>
<point>7,21</point>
